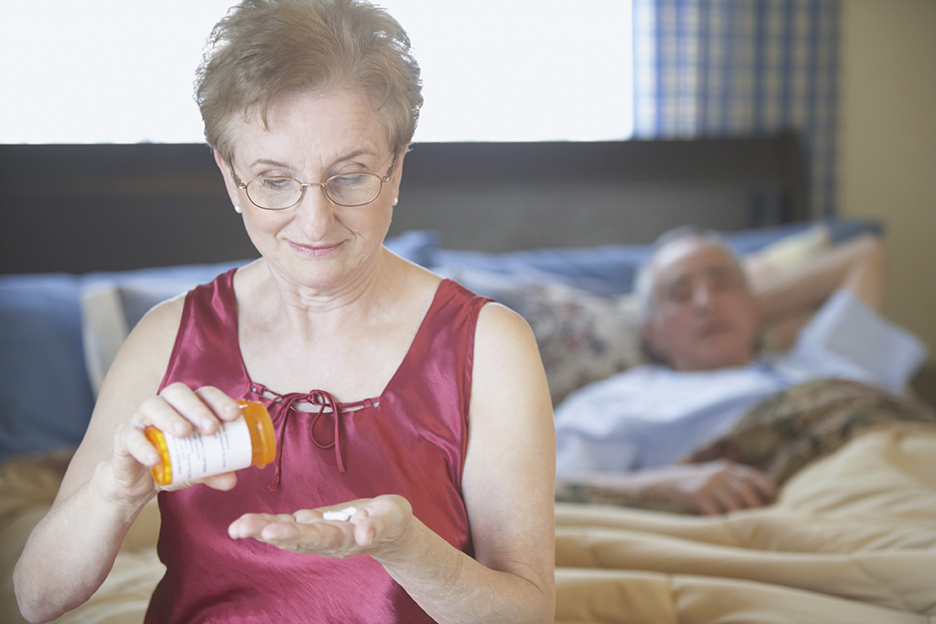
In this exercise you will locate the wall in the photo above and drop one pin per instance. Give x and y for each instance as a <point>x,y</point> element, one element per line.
<point>887,158</point>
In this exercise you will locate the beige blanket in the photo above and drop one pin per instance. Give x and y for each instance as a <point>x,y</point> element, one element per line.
<point>851,539</point>
<point>27,489</point>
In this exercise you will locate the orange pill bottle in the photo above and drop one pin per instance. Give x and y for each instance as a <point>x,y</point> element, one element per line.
<point>247,441</point>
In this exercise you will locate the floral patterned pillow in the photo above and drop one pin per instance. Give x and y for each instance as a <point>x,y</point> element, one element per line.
<point>583,337</point>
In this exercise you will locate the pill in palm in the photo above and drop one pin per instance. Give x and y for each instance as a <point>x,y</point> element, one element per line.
<point>344,515</point>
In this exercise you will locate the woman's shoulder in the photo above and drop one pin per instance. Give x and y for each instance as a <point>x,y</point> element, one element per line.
<point>162,318</point>
<point>500,330</point>
<point>409,282</point>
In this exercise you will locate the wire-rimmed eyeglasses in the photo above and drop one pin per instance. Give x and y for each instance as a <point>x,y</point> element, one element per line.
<point>344,189</point>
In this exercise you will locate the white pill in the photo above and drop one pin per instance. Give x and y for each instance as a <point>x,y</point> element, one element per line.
<point>343,516</point>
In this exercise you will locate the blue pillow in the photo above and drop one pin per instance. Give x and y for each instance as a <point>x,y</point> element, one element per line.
<point>747,241</point>
<point>45,396</point>
<point>610,269</point>
<point>606,270</point>
<point>417,246</point>
<point>141,289</point>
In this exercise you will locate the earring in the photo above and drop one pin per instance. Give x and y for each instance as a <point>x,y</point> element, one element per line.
<point>237,208</point>
<point>395,200</point>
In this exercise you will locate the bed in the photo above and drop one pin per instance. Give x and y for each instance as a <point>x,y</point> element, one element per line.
<point>92,236</point>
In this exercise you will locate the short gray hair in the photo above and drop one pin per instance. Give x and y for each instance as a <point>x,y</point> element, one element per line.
<point>264,49</point>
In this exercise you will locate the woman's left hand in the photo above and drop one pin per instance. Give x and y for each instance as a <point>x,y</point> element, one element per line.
<point>377,524</point>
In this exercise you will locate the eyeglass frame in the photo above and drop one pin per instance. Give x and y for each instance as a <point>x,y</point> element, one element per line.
<point>303,185</point>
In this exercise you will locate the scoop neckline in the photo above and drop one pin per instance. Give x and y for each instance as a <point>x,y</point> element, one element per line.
<point>373,401</point>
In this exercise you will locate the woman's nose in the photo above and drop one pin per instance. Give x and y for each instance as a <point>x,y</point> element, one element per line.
<point>315,213</point>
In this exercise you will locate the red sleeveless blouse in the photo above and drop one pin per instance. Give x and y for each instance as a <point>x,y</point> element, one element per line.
<point>411,440</point>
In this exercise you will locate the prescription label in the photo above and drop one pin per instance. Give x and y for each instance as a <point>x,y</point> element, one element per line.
<point>198,455</point>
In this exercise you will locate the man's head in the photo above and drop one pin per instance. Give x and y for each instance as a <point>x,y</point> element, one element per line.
<point>699,313</point>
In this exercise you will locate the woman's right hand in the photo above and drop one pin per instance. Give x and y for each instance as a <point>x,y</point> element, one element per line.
<point>178,411</point>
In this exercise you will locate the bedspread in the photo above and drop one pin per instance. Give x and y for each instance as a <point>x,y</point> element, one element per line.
<point>27,488</point>
<point>852,538</point>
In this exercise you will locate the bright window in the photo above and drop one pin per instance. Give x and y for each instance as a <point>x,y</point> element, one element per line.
<point>113,71</point>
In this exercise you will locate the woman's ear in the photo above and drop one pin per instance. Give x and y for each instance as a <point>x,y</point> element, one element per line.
<point>232,190</point>
<point>397,174</point>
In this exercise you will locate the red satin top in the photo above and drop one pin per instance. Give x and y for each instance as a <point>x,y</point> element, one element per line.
<point>411,440</point>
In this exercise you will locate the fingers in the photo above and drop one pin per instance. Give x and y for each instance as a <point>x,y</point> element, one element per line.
<point>754,487</point>
<point>733,487</point>
<point>132,458</point>
<point>253,525</point>
<point>765,487</point>
<point>177,411</point>
<point>314,535</point>
<point>375,525</point>
<point>360,519</point>
<point>710,488</point>
<point>132,446</point>
<point>224,482</point>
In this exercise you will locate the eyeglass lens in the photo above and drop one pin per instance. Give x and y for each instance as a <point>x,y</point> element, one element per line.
<point>344,190</point>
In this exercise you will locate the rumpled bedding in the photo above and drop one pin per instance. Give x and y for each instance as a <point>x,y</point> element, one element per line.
<point>793,427</point>
<point>27,488</point>
<point>852,538</point>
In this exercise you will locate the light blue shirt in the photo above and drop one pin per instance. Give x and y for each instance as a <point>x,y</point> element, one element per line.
<point>652,415</point>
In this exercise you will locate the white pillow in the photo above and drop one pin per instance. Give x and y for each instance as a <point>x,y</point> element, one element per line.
<point>110,310</point>
<point>103,329</point>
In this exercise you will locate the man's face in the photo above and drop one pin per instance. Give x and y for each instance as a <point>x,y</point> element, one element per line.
<point>704,317</point>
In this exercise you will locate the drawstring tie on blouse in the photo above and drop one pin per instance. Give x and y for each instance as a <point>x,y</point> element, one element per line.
<point>324,400</point>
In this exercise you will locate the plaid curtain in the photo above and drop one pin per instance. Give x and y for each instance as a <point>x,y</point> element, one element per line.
<point>716,68</point>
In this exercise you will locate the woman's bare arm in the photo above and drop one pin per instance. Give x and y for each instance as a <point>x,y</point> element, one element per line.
<point>509,490</point>
<point>70,552</point>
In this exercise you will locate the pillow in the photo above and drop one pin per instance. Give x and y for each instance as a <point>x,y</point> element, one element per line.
<point>795,249</point>
<point>839,230</point>
<point>113,303</point>
<point>610,269</point>
<point>417,246</point>
<point>104,327</point>
<point>45,397</point>
<point>606,269</point>
<point>111,308</point>
<point>582,337</point>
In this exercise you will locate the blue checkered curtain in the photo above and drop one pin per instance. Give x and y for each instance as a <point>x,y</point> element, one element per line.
<point>717,68</point>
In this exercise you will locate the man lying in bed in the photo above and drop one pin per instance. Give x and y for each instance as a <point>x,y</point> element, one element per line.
<point>621,441</point>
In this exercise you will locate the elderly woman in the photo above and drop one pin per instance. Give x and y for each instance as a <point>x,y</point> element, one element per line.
<point>429,410</point>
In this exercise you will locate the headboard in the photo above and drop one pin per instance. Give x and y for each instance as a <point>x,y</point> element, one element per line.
<point>80,208</point>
